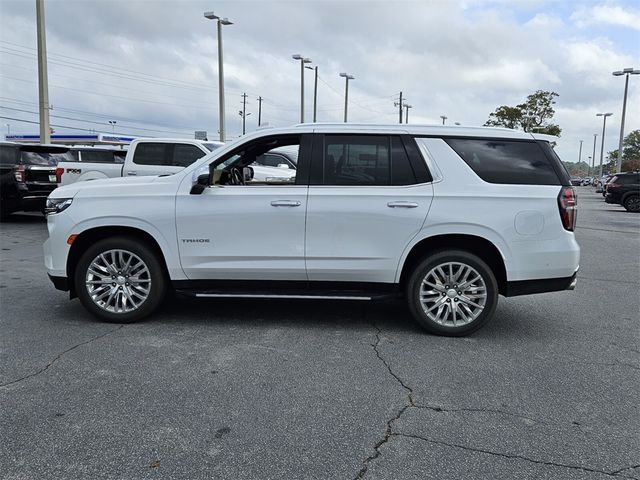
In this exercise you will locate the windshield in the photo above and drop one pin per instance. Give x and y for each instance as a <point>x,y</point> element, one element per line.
<point>48,159</point>
<point>211,146</point>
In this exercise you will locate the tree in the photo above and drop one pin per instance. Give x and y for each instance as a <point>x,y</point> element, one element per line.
<point>534,115</point>
<point>630,148</point>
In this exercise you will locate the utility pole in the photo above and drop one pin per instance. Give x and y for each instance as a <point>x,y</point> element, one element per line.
<point>444,118</point>
<point>43,81</point>
<point>259,110</point>
<point>399,105</point>
<point>243,112</point>
<point>406,114</point>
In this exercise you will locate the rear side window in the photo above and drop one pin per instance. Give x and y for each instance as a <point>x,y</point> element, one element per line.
<point>184,155</point>
<point>625,179</point>
<point>99,156</point>
<point>150,154</point>
<point>366,160</point>
<point>505,161</point>
<point>8,155</point>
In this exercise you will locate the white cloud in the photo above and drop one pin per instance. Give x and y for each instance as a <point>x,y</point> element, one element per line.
<point>608,14</point>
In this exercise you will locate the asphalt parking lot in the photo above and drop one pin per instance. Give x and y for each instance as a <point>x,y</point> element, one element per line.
<point>274,389</point>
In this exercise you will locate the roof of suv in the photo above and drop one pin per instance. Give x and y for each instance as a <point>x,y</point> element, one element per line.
<point>435,130</point>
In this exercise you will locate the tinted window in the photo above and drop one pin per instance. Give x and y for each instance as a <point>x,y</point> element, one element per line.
<point>150,154</point>
<point>356,160</point>
<point>625,179</point>
<point>401,171</point>
<point>99,156</point>
<point>49,159</point>
<point>185,155</point>
<point>8,155</point>
<point>505,161</point>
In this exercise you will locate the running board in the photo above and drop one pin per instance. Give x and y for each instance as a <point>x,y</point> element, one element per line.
<point>272,295</point>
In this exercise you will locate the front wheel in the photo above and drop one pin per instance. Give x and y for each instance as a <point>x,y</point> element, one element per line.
<point>120,280</point>
<point>632,203</point>
<point>452,293</point>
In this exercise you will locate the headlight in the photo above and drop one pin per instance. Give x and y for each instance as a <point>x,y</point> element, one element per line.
<point>57,205</point>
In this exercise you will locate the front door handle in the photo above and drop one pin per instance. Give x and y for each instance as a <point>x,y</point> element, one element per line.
<point>285,203</point>
<point>402,205</point>
<point>132,172</point>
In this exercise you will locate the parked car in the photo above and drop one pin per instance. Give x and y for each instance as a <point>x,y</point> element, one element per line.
<point>28,175</point>
<point>576,181</point>
<point>280,158</point>
<point>447,217</point>
<point>151,156</point>
<point>624,189</point>
<point>604,185</point>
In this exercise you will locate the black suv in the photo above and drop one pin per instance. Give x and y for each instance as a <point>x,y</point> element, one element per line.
<point>624,189</point>
<point>28,175</point>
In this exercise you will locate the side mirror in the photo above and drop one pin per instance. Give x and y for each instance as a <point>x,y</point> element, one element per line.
<point>283,165</point>
<point>247,173</point>
<point>202,182</point>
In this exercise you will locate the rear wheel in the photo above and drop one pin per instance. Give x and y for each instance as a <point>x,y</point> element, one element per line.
<point>120,280</point>
<point>452,293</point>
<point>632,203</point>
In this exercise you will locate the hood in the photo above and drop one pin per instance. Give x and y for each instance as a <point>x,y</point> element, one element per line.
<point>107,184</point>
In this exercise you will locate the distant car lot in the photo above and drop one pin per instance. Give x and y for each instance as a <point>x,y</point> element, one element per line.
<point>255,389</point>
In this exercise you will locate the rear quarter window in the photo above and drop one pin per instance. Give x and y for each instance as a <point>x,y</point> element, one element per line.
<point>100,156</point>
<point>506,161</point>
<point>48,159</point>
<point>150,154</point>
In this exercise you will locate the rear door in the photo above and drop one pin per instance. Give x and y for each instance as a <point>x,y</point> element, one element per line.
<point>162,158</point>
<point>369,196</point>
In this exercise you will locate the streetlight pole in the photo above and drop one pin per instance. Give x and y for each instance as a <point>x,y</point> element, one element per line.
<point>303,60</point>
<point>347,77</point>
<point>580,152</point>
<point>593,157</point>
<point>221,22</point>
<point>444,118</point>
<point>43,81</point>
<point>113,125</point>
<point>604,126</point>
<point>315,92</point>
<point>259,111</point>
<point>626,72</point>
<point>406,114</point>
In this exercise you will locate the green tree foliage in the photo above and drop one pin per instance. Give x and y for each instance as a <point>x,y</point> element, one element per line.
<point>580,169</point>
<point>630,148</point>
<point>534,115</point>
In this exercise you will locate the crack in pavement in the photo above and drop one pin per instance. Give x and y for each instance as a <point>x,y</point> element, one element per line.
<point>618,472</point>
<point>511,456</point>
<point>60,355</point>
<point>410,403</point>
<point>388,432</point>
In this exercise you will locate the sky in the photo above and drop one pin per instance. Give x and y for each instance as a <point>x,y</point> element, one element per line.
<point>151,66</point>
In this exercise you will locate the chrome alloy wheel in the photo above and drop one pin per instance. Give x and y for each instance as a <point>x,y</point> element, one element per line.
<point>453,294</point>
<point>118,281</point>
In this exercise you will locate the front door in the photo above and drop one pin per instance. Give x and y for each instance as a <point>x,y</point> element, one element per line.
<point>253,231</point>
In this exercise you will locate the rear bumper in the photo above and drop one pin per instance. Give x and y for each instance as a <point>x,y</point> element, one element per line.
<point>544,285</point>
<point>61,283</point>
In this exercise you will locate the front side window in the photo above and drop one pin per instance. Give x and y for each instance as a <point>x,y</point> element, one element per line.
<point>231,169</point>
<point>506,161</point>
<point>98,156</point>
<point>150,154</point>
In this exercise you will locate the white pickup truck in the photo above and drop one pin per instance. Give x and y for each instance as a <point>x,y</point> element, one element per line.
<point>145,156</point>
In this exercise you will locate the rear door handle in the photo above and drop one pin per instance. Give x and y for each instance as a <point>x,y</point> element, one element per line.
<point>285,203</point>
<point>402,205</point>
<point>132,172</point>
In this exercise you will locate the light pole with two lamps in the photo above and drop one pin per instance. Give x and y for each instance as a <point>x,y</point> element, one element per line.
<point>626,72</point>
<point>220,22</point>
<point>303,60</point>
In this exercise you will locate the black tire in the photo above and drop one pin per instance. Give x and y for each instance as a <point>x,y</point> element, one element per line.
<point>632,203</point>
<point>155,279</point>
<point>414,286</point>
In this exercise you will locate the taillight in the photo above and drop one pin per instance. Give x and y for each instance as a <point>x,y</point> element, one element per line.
<point>613,185</point>
<point>20,173</point>
<point>59,172</point>
<point>568,205</point>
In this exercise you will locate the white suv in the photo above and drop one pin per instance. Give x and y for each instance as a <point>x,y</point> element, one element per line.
<point>447,217</point>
